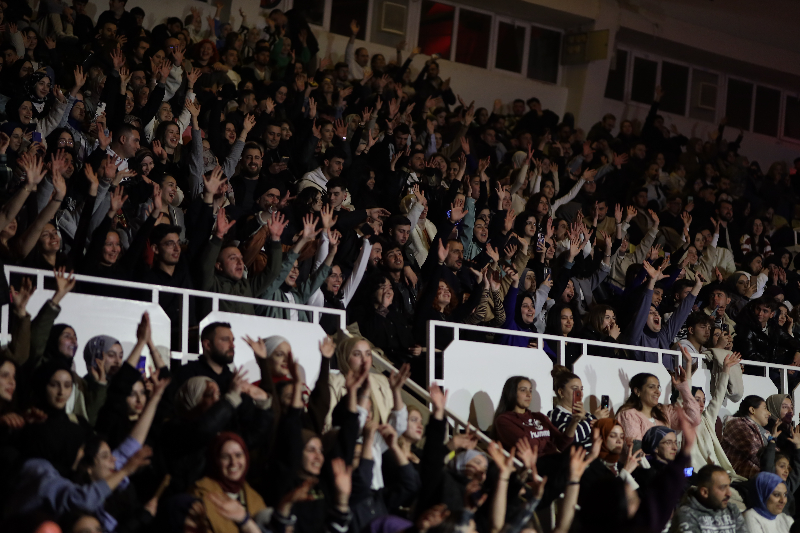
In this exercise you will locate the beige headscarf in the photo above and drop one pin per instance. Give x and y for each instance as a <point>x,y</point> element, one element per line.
<point>343,350</point>
<point>190,394</point>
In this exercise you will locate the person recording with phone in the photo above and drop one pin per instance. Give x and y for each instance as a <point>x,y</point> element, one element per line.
<point>568,404</point>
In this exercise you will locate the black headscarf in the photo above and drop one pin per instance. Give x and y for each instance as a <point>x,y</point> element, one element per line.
<point>51,348</point>
<point>58,438</point>
<point>11,84</point>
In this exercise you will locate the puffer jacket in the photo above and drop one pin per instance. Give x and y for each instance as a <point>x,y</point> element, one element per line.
<point>774,346</point>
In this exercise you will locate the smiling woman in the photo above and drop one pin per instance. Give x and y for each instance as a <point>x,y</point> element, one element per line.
<point>228,463</point>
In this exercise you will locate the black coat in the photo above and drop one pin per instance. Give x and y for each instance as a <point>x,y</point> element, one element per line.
<point>774,346</point>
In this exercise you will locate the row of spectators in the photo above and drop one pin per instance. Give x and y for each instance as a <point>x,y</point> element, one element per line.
<point>197,156</point>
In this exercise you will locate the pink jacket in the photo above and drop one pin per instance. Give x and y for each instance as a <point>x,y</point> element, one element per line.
<point>636,425</point>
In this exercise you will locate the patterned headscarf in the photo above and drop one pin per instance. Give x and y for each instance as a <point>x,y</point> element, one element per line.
<point>96,347</point>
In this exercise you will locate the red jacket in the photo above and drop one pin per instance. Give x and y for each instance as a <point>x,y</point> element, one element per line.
<point>536,427</point>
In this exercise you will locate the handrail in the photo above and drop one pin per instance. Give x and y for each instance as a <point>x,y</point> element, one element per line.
<point>562,341</point>
<point>316,312</point>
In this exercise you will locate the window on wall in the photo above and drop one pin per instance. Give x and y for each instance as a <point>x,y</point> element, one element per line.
<point>739,104</point>
<point>313,10</point>
<point>472,47</point>
<point>615,84</point>
<point>544,54</point>
<point>643,84</point>
<point>703,100</point>
<point>345,11</point>
<point>791,118</point>
<point>510,46</point>
<point>675,83</point>
<point>767,115</point>
<point>436,28</point>
<point>706,96</point>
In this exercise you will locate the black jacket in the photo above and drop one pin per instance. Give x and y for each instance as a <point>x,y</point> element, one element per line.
<point>774,346</point>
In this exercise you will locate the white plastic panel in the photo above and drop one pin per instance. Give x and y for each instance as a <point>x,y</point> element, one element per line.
<point>90,316</point>
<point>475,373</point>
<point>304,338</point>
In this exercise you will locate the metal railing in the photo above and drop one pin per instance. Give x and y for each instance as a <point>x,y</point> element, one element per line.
<point>156,290</point>
<point>561,342</point>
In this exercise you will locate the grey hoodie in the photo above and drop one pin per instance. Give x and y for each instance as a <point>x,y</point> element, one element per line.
<point>694,517</point>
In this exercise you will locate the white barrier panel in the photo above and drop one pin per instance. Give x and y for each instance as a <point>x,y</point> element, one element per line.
<point>90,316</point>
<point>757,385</point>
<point>476,381</point>
<point>303,336</point>
<point>610,377</point>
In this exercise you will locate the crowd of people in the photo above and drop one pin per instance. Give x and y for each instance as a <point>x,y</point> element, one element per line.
<point>196,155</point>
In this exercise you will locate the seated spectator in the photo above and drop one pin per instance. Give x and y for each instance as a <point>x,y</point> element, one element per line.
<point>745,435</point>
<point>229,461</point>
<point>708,504</point>
<point>760,337</point>
<point>569,404</point>
<point>767,514</point>
<point>642,410</point>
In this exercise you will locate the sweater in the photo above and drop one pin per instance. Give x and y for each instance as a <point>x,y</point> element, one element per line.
<point>758,524</point>
<point>694,517</point>
<point>638,334</point>
<point>636,425</point>
<point>511,426</point>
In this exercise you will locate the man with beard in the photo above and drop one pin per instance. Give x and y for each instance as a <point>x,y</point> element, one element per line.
<point>170,271</point>
<point>405,294</point>
<point>216,341</point>
<point>706,509</point>
<point>276,157</point>
<point>245,182</point>
<point>728,236</point>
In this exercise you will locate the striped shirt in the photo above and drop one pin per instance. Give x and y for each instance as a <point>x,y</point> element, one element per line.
<point>583,433</point>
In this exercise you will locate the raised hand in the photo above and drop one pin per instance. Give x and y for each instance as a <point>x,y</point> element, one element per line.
<point>33,170</point>
<point>223,225</point>
<point>731,360</point>
<point>194,109</point>
<point>457,211</point>
<point>118,197</point>
<point>327,347</point>
<point>258,346</point>
<point>276,224</point>
<point>193,76</point>
<point>214,181</point>
<point>398,379</point>
<point>117,58</point>
<point>19,298</point>
<point>64,283</point>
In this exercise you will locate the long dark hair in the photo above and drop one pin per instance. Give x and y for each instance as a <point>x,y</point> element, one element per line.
<point>508,398</point>
<point>748,402</point>
<point>634,402</point>
<point>553,326</point>
<point>596,317</point>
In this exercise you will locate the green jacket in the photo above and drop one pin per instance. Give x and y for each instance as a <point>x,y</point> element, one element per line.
<point>213,281</point>
<point>301,292</point>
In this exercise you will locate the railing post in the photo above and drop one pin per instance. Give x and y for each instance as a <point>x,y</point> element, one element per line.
<point>185,325</point>
<point>156,294</point>
<point>562,356</point>
<point>315,317</point>
<point>785,381</point>
<point>431,352</point>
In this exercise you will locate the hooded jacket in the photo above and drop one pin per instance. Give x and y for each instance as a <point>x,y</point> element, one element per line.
<point>694,517</point>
